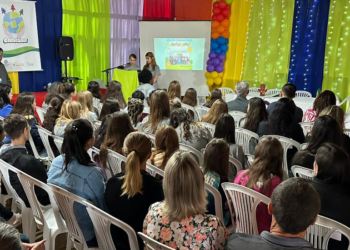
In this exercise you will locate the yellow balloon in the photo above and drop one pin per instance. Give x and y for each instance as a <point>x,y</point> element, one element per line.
<point>207,75</point>
<point>221,74</point>
<point>214,74</point>
<point>217,81</point>
<point>210,82</point>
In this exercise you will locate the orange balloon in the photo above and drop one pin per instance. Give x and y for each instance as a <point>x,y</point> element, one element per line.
<point>226,34</point>
<point>226,28</point>
<point>225,23</point>
<point>215,35</point>
<point>213,30</point>
<point>220,29</point>
<point>215,24</point>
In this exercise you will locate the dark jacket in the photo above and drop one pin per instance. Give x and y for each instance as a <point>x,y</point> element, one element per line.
<point>239,104</point>
<point>4,76</point>
<point>35,135</point>
<point>298,114</point>
<point>18,157</point>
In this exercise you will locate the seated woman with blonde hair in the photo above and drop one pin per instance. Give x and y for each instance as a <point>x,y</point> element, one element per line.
<point>180,221</point>
<point>87,108</point>
<point>70,111</point>
<point>219,107</point>
<point>174,91</point>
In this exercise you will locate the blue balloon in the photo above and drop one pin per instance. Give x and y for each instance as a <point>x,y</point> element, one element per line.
<point>214,45</point>
<point>226,40</point>
<point>221,40</point>
<point>212,40</point>
<point>218,51</point>
<point>223,48</point>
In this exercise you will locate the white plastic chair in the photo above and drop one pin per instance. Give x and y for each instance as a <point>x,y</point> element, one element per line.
<point>273,92</point>
<point>302,93</point>
<point>302,172</point>
<point>58,142</point>
<point>235,163</point>
<point>41,113</point>
<point>320,233</point>
<point>237,116</point>
<point>243,137</point>
<point>114,161</point>
<point>209,126</point>
<point>244,205</point>
<point>254,90</point>
<point>226,90</point>
<point>229,97</point>
<point>201,111</point>
<point>35,151</point>
<point>197,154</point>
<point>153,170</point>
<point>304,146</point>
<point>217,200</point>
<point>97,124</point>
<point>102,226</point>
<point>65,201</point>
<point>202,95</point>
<point>347,132</point>
<point>152,244</point>
<point>347,99</point>
<point>188,107</point>
<point>48,220</point>
<point>28,223</point>
<point>250,159</point>
<point>306,126</point>
<point>44,135</point>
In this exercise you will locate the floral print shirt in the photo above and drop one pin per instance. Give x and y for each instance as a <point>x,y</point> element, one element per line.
<point>194,233</point>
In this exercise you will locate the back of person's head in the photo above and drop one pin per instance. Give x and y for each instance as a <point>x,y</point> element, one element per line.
<point>255,114</point>
<point>135,109</point>
<point>219,107</point>
<point>24,104</point>
<point>183,184</point>
<point>225,128</point>
<point>68,89</point>
<point>336,113</point>
<point>174,104</point>
<point>242,88</point>
<point>145,76</point>
<point>137,149</point>
<point>216,158</point>
<point>138,95</point>
<point>15,126</point>
<point>53,112</point>
<point>100,133</point>
<point>78,137</point>
<point>5,93</point>
<point>115,90</point>
<point>190,97</point>
<point>332,165</point>
<point>216,94</point>
<point>268,161</point>
<point>325,99</point>
<point>167,142</point>
<point>289,90</point>
<point>174,90</point>
<point>52,91</point>
<point>94,88</point>
<point>295,205</point>
<point>159,110</point>
<point>179,116</point>
<point>70,111</point>
<point>85,100</point>
<point>110,106</point>
<point>9,237</point>
<point>325,129</point>
<point>281,118</point>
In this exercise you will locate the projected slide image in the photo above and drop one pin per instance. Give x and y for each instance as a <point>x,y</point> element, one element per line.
<point>179,53</point>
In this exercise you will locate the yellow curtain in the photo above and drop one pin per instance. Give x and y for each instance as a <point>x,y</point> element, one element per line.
<point>239,21</point>
<point>129,81</point>
<point>267,53</point>
<point>336,73</point>
<point>15,82</point>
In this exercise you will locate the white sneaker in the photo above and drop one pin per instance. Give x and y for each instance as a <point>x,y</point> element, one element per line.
<point>15,220</point>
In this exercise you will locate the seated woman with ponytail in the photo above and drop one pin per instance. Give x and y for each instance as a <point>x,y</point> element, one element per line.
<point>128,196</point>
<point>75,172</point>
<point>68,89</point>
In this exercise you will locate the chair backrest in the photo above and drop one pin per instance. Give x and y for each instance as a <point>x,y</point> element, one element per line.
<point>201,111</point>
<point>344,101</point>
<point>188,107</point>
<point>319,233</point>
<point>93,150</point>
<point>44,135</point>
<point>97,124</point>
<point>302,172</point>
<point>114,161</point>
<point>243,137</point>
<point>202,95</point>
<point>347,132</point>
<point>29,184</point>
<point>102,223</point>
<point>41,113</point>
<point>250,159</point>
<point>35,151</point>
<point>153,170</point>
<point>306,126</point>
<point>236,163</point>
<point>237,116</point>
<point>244,204</point>
<point>273,92</point>
<point>197,154</point>
<point>254,90</point>
<point>302,93</point>
<point>303,146</point>
<point>217,200</point>
<point>225,91</point>
<point>152,244</point>
<point>58,142</point>
<point>209,126</point>
<point>65,201</point>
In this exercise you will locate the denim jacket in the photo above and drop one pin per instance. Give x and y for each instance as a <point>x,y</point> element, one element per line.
<point>85,181</point>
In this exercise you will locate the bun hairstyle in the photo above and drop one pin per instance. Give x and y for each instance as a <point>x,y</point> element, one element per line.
<point>135,108</point>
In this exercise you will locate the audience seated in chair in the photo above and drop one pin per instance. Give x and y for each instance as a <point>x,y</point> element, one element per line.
<point>5,104</point>
<point>325,99</point>
<point>167,142</point>
<point>70,111</point>
<point>146,83</point>
<point>215,95</point>
<point>75,172</point>
<point>174,91</point>
<point>190,97</point>
<point>180,221</point>
<point>288,91</point>
<point>110,106</point>
<point>294,207</point>
<point>264,175</point>
<point>67,89</point>
<point>256,113</point>
<point>94,89</point>
<point>241,102</point>
<point>135,109</point>
<point>129,195</point>
<point>190,133</point>
<point>87,108</point>
<point>325,129</point>
<point>52,91</point>
<point>15,154</point>
<point>219,107</point>
<point>174,105</point>
<point>114,90</point>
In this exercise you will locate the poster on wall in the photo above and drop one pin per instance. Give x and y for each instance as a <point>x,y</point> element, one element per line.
<point>19,36</point>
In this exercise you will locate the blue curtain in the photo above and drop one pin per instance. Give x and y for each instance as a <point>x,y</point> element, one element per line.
<point>49,19</point>
<point>308,44</point>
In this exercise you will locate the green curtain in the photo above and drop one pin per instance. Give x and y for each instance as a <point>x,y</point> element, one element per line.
<point>88,22</point>
<point>337,61</point>
<point>267,51</point>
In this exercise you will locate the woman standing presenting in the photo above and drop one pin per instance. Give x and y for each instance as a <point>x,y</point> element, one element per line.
<point>152,66</point>
<point>132,63</point>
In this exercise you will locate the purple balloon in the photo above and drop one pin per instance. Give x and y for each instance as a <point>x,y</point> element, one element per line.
<point>209,62</point>
<point>221,64</point>
<point>212,55</point>
<point>219,68</point>
<point>216,61</point>
<point>222,57</point>
<point>210,68</point>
